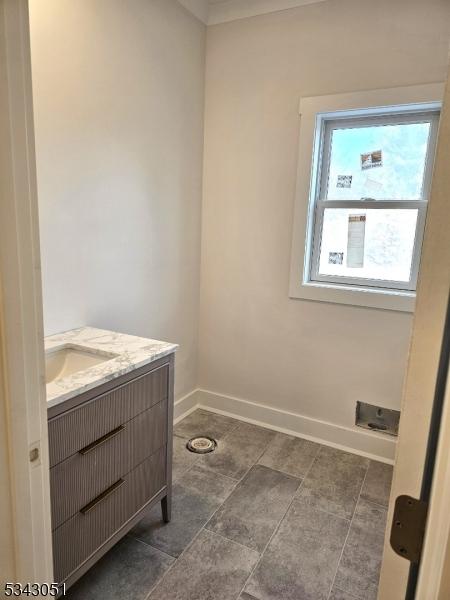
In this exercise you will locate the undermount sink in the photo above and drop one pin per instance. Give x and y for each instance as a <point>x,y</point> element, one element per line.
<point>62,362</point>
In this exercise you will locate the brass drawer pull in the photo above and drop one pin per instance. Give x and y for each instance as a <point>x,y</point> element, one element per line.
<point>102,496</point>
<point>102,440</point>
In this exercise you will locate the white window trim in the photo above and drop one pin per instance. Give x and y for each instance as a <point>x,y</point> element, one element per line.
<point>359,103</point>
<point>324,127</point>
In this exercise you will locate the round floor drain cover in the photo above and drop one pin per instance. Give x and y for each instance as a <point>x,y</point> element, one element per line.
<point>201,444</point>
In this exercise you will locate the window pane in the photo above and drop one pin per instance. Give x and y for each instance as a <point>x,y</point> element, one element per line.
<point>383,162</point>
<point>368,243</point>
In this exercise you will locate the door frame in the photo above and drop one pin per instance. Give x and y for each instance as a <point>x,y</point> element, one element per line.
<point>434,572</point>
<point>23,397</point>
<point>423,376</point>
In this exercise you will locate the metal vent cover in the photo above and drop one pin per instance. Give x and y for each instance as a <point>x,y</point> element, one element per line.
<point>377,418</point>
<point>201,444</point>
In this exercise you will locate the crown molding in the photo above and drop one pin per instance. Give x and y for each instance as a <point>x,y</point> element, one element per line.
<point>231,10</point>
<point>199,8</point>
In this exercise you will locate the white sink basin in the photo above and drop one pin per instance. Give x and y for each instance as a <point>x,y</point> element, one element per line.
<point>62,362</point>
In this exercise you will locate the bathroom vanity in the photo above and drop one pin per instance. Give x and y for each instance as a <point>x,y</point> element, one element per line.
<point>110,407</point>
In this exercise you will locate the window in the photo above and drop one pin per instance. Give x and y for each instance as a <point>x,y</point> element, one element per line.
<point>369,174</point>
<point>371,199</point>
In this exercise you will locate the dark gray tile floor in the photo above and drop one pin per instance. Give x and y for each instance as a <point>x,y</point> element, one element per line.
<point>196,497</point>
<point>267,516</point>
<point>255,508</point>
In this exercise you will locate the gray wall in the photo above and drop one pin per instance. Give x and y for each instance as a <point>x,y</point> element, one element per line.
<point>311,358</point>
<point>118,97</point>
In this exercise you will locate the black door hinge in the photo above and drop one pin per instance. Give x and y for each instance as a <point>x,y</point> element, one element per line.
<point>408,527</point>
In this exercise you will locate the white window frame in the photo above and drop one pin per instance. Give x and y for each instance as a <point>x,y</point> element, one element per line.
<point>327,126</point>
<point>305,283</point>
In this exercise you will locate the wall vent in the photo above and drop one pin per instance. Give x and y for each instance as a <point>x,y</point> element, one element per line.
<point>377,418</point>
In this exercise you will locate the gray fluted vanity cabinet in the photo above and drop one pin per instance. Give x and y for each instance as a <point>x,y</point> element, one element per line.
<point>110,462</point>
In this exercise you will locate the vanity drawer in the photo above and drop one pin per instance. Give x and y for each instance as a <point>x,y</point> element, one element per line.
<point>84,475</point>
<point>81,426</point>
<point>79,537</point>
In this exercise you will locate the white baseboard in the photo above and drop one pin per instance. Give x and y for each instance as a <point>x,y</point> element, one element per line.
<point>184,406</point>
<point>371,445</point>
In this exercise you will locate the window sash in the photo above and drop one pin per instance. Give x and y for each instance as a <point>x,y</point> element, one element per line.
<point>430,116</point>
<point>321,203</point>
<point>364,282</point>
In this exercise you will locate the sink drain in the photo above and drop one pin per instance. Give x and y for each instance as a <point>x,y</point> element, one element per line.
<point>201,444</point>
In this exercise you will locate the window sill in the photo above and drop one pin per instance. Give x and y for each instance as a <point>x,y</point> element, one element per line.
<point>356,296</point>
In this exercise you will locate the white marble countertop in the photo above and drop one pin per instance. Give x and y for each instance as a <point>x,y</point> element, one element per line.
<point>128,352</point>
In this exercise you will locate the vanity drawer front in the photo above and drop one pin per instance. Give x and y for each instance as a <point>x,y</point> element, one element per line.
<point>81,426</point>
<point>79,537</point>
<point>84,475</point>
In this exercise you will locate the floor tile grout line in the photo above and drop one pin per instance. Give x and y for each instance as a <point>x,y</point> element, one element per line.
<point>190,543</point>
<point>233,426</point>
<point>229,432</point>
<point>254,464</point>
<point>377,504</point>
<point>285,473</point>
<point>215,472</point>
<point>348,594</point>
<point>301,499</point>
<point>199,456</point>
<point>176,480</point>
<point>289,474</point>
<point>136,539</point>
<point>237,482</point>
<point>312,462</point>
<point>264,451</point>
<point>265,447</point>
<point>302,477</point>
<point>294,497</point>
<point>300,481</point>
<point>308,472</point>
<point>224,537</point>
<point>348,532</point>
<point>351,522</point>
<point>176,559</point>
<point>275,531</point>
<point>231,429</point>
<point>327,511</point>
<point>203,528</point>
<point>184,551</point>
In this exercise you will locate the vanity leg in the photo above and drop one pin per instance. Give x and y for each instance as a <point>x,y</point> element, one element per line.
<point>166,507</point>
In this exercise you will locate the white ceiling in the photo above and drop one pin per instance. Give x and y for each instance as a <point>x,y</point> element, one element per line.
<point>212,12</point>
